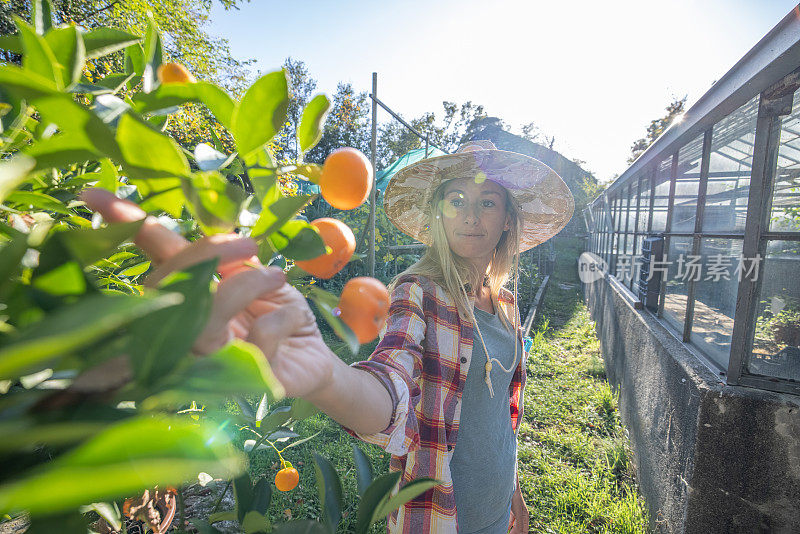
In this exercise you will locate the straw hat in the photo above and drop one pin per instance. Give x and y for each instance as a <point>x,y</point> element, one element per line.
<point>544,199</point>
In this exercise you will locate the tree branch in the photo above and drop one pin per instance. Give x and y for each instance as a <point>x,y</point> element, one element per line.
<point>97,12</point>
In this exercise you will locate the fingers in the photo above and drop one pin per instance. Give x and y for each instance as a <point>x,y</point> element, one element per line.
<point>155,240</point>
<point>270,329</point>
<point>233,296</point>
<point>231,250</point>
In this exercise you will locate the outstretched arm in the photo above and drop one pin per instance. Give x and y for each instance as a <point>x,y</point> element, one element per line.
<point>257,305</point>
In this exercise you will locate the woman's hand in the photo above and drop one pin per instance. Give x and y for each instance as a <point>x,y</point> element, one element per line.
<point>251,303</point>
<point>519,513</point>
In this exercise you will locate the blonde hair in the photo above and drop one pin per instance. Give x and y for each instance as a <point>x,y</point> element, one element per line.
<point>445,268</point>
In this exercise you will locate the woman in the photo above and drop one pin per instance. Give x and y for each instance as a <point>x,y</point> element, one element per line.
<point>451,356</point>
<point>421,391</point>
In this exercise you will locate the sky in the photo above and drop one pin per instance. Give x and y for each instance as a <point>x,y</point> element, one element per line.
<point>592,74</point>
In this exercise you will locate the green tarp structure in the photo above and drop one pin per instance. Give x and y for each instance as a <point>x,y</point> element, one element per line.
<point>383,177</point>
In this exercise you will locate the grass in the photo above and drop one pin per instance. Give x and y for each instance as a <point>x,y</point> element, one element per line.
<point>574,461</point>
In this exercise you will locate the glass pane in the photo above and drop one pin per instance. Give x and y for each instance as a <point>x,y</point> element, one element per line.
<point>632,206</point>
<point>785,216</point>
<point>775,348</point>
<point>644,204</point>
<point>715,297</point>
<point>687,184</point>
<point>661,200</point>
<point>675,294</point>
<point>730,166</point>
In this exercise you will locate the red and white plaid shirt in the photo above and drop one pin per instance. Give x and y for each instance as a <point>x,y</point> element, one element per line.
<point>422,359</point>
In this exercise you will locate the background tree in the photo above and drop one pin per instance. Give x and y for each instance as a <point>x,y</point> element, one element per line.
<point>657,127</point>
<point>301,88</point>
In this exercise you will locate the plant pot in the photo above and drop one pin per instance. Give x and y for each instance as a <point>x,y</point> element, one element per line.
<point>155,508</point>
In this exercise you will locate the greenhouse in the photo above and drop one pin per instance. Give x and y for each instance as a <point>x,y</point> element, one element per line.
<point>699,306</point>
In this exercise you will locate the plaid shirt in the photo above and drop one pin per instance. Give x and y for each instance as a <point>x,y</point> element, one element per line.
<point>422,360</point>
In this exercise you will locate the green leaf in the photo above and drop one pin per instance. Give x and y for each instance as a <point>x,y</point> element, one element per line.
<point>261,112</point>
<point>213,201</point>
<point>262,495</point>
<point>138,453</point>
<point>363,469</point>
<point>60,151</point>
<point>330,491</point>
<point>28,434</point>
<point>203,527</point>
<point>416,487</point>
<point>278,213</point>
<point>71,521</point>
<point>88,245</point>
<point>244,405</point>
<point>80,128</point>
<point>106,176</point>
<point>25,83</point>
<point>208,158</point>
<point>107,511</point>
<point>254,523</point>
<point>12,43</point>
<point>41,15</point>
<point>161,340</point>
<point>243,491</point>
<point>74,326</point>
<point>327,304</point>
<point>276,418</point>
<point>261,411</point>
<point>298,442</point>
<point>175,94</point>
<point>228,515</point>
<point>11,254</point>
<point>37,55</point>
<point>13,172</point>
<point>109,108</point>
<point>263,177</point>
<point>34,200</point>
<point>134,60</point>
<point>114,82</point>
<point>375,495</point>
<point>161,194</point>
<point>144,149</point>
<point>302,409</point>
<point>311,171</point>
<point>310,130</point>
<point>68,48</point>
<point>304,526</point>
<point>136,270</point>
<point>103,41</point>
<point>66,279</point>
<point>298,240</point>
<point>153,56</point>
<point>238,367</point>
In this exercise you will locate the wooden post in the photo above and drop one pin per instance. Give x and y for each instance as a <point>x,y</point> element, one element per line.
<point>372,194</point>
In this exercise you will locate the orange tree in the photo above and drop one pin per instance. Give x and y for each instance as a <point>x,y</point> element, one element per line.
<point>99,391</point>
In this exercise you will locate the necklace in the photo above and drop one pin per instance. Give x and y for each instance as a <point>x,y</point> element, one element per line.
<point>488,366</point>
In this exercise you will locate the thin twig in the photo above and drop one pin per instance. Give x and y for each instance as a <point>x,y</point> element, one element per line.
<point>96,12</point>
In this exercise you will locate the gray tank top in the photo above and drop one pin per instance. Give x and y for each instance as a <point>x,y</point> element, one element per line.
<point>484,458</point>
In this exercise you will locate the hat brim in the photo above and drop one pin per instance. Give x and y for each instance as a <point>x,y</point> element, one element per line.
<point>545,201</point>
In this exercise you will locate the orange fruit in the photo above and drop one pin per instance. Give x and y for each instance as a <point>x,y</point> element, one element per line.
<point>339,237</point>
<point>174,73</point>
<point>364,305</point>
<point>287,478</point>
<point>346,178</point>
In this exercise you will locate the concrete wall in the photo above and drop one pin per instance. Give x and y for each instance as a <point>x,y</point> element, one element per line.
<point>709,457</point>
